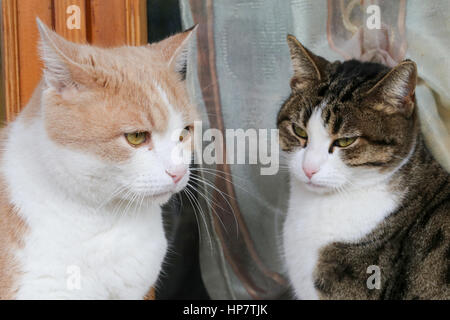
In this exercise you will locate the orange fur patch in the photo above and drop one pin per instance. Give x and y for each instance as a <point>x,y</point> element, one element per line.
<point>12,230</point>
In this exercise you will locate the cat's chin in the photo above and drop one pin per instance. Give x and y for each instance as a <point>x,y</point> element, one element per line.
<point>158,199</point>
<point>317,188</point>
<point>162,198</point>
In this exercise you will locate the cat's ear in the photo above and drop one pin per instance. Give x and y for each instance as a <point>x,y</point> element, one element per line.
<point>394,93</point>
<point>175,49</point>
<point>309,69</point>
<point>60,60</point>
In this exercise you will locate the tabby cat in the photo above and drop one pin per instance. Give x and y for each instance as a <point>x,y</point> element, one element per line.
<point>369,207</point>
<point>86,166</point>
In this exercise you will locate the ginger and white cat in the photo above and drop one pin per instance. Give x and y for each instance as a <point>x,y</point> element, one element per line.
<point>87,165</point>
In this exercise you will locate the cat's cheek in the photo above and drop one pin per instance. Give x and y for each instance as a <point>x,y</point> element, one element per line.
<point>336,171</point>
<point>296,165</point>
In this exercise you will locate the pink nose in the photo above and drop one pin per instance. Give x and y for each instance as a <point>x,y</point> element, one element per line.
<point>177,175</point>
<point>310,172</point>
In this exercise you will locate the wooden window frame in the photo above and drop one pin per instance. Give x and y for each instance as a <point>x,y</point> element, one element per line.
<point>103,23</point>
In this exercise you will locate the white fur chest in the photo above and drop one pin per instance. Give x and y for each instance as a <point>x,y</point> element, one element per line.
<point>314,221</point>
<point>73,255</point>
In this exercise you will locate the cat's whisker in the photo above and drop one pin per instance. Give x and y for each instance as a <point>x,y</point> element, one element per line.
<point>218,175</point>
<point>224,197</point>
<point>223,194</point>
<point>202,215</point>
<point>228,180</point>
<point>200,179</point>
<point>124,200</point>
<point>198,185</point>
<point>195,214</point>
<point>114,194</point>
<point>141,202</point>
<point>209,205</point>
<point>129,205</point>
<point>208,196</point>
<point>233,183</point>
<point>208,170</point>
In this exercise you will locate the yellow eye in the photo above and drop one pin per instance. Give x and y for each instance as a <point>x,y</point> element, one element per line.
<point>185,133</point>
<point>300,132</point>
<point>344,142</point>
<point>136,138</point>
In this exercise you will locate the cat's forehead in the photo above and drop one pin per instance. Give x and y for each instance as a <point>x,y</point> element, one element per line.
<point>133,65</point>
<point>153,105</point>
<point>338,97</point>
<point>148,93</point>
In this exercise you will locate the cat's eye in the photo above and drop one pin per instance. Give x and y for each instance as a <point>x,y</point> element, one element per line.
<point>136,138</point>
<point>185,133</point>
<point>344,142</point>
<point>300,132</point>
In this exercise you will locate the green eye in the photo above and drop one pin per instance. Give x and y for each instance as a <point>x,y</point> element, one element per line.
<point>136,138</point>
<point>185,133</point>
<point>300,132</point>
<point>344,142</point>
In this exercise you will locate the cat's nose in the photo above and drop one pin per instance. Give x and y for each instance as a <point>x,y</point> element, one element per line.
<point>177,174</point>
<point>310,171</point>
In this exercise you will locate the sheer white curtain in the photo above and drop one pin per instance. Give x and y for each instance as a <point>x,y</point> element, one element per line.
<point>253,70</point>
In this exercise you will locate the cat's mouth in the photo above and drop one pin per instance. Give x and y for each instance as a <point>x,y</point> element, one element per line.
<point>165,195</point>
<point>314,185</point>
